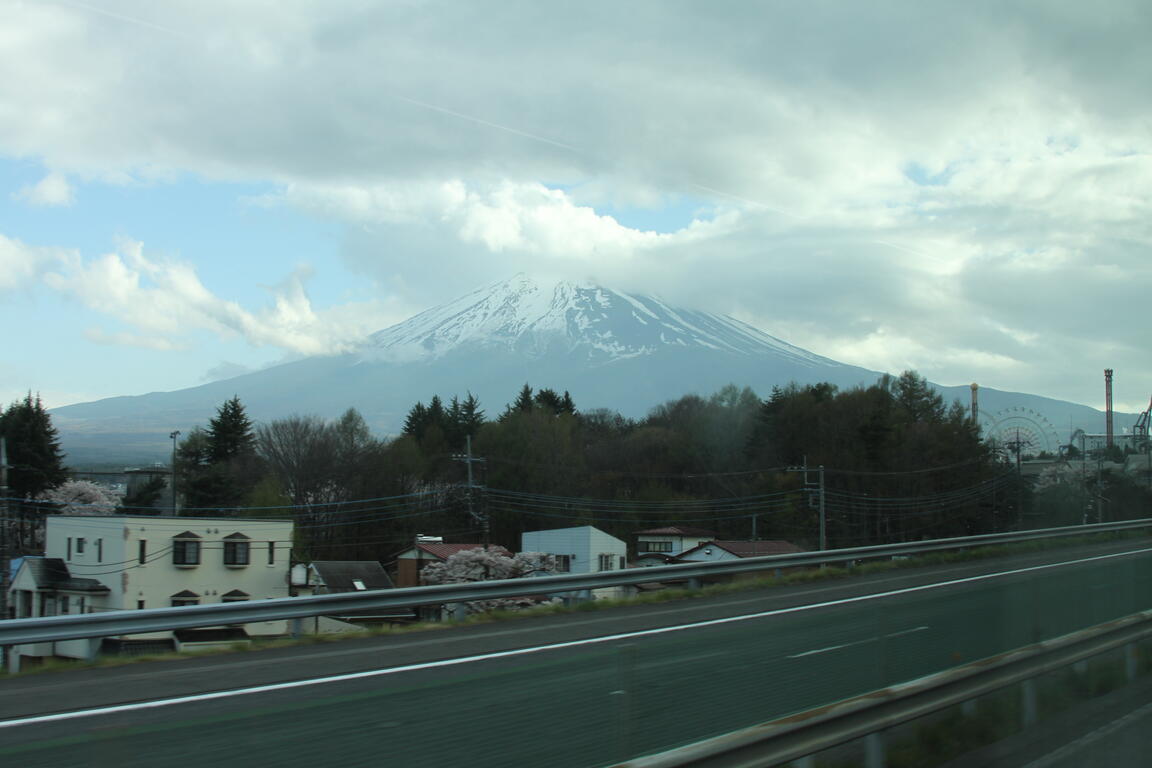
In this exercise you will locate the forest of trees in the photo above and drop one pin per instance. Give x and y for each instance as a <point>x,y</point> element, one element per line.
<point>887,462</point>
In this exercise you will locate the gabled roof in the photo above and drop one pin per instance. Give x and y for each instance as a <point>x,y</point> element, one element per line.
<point>237,537</point>
<point>187,535</point>
<point>444,551</point>
<point>339,575</point>
<point>185,595</point>
<point>675,530</point>
<point>748,548</point>
<point>52,573</point>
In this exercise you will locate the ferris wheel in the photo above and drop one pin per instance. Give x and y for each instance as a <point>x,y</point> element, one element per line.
<point>1022,431</point>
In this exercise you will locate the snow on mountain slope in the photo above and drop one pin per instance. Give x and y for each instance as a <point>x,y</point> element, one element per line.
<point>535,318</point>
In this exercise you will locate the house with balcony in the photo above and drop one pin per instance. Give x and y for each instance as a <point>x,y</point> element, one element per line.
<point>658,546</point>
<point>715,551</point>
<point>132,562</point>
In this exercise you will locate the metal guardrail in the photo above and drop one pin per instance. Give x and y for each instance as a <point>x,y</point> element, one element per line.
<point>802,735</point>
<point>129,622</point>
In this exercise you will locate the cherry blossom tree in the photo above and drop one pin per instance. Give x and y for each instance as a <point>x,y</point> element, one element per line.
<point>479,564</point>
<point>82,497</point>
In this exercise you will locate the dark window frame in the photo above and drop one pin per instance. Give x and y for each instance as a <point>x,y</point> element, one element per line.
<point>237,553</point>
<point>186,552</point>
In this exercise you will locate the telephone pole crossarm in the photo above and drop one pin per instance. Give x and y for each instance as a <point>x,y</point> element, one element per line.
<point>469,460</point>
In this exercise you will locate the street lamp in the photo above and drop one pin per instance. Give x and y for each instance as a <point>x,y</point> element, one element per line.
<point>173,436</point>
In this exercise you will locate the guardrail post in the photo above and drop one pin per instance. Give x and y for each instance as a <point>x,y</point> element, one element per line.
<point>1028,714</point>
<point>92,651</point>
<point>1130,661</point>
<point>808,761</point>
<point>694,584</point>
<point>297,627</point>
<point>968,708</point>
<point>875,755</point>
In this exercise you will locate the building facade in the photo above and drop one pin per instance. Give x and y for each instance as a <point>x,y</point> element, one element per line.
<point>135,562</point>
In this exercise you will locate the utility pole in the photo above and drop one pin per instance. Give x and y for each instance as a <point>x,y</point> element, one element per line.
<point>174,435</point>
<point>823,532</point>
<point>481,517</point>
<point>5,553</point>
<point>814,487</point>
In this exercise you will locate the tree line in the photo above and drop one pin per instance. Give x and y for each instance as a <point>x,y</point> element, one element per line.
<point>886,462</point>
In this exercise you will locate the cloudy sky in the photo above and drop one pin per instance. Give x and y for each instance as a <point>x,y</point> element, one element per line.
<point>189,190</point>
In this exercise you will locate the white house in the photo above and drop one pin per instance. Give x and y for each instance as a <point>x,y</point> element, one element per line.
<point>106,563</point>
<point>583,549</point>
<point>713,551</point>
<point>657,546</point>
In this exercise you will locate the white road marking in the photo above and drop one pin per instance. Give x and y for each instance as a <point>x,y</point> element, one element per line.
<point>866,640</point>
<point>199,697</point>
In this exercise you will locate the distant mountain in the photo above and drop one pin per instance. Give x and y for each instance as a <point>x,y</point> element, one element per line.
<point>607,348</point>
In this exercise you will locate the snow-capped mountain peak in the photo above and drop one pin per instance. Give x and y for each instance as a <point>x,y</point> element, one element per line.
<point>537,318</point>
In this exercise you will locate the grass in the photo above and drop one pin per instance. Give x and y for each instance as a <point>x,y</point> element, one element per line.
<point>800,576</point>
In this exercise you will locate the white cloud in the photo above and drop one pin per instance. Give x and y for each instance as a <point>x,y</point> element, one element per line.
<point>225,370</point>
<point>21,264</point>
<point>949,186</point>
<point>52,190</point>
<point>163,302</point>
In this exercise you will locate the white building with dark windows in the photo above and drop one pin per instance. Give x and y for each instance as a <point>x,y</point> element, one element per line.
<point>581,549</point>
<point>130,562</point>
<point>658,546</point>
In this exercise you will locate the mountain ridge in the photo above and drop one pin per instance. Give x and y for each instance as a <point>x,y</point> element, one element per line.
<point>609,349</point>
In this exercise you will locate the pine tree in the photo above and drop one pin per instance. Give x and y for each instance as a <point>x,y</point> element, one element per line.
<point>219,467</point>
<point>416,421</point>
<point>436,416</point>
<point>230,434</point>
<point>524,400</point>
<point>471,415</point>
<point>548,400</point>
<point>34,454</point>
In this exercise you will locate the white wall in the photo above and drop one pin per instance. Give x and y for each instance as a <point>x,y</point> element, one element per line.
<point>158,578</point>
<point>679,543</point>
<point>709,555</point>
<point>584,543</point>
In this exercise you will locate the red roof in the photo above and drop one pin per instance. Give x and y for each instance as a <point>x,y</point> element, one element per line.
<point>675,530</point>
<point>443,551</point>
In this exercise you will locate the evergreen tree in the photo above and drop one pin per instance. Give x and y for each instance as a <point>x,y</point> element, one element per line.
<point>230,434</point>
<point>548,400</point>
<point>524,401</point>
<point>34,455</point>
<point>416,421</point>
<point>219,467</point>
<point>436,414</point>
<point>471,415</point>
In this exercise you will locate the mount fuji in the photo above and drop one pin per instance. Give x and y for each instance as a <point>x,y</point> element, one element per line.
<point>607,348</point>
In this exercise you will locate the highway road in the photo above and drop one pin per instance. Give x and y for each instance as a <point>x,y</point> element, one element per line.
<point>572,690</point>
